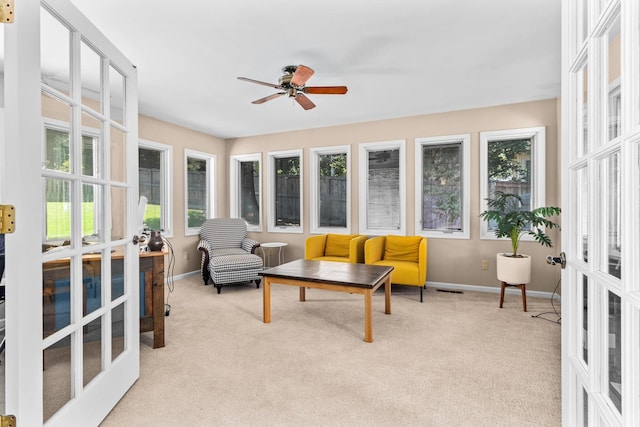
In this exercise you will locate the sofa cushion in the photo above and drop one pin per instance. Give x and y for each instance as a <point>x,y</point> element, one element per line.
<point>235,262</point>
<point>402,248</point>
<point>338,245</point>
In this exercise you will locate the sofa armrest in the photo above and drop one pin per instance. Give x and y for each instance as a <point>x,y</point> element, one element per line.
<point>374,249</point>
<point>250,245</point>
<point>314,246</point>
<point>356,249</point>
<point>422,260</point>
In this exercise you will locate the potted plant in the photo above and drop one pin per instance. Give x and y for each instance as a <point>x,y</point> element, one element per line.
<point>506,213</point>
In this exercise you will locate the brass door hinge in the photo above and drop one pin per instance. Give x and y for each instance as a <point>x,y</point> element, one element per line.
<point>6,17</point>
<point>7,220</point>
<point>8,421</point>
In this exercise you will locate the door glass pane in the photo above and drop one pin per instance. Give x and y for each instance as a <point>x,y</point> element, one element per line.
<point>150,179</point>
<point>197,191</point>
<point>581,109</point>
<point>91,154</point>
<point>615,351</point>
<point>91,214</point>
<point>57,386</point>
<point>117,331</point>
<point>118,213</point>
<point>585,319</point>
<point>117,273</point>
<point>118,157</point>
<point>442,187</point>
<point>611,217</point>
<point>90,77</point>
<point>54,53</point>
<point>332,190</point>
<point>56,296</point>
<point>57,213</point>
<point>91,350</point>
<point>116,95</point>
<point>614,81</point>
<point>287,191</point>
<point>250,191</point>
<point>383,189</point>
<point>582,212</point>
<point>91,281</point>
<point>585,408</point>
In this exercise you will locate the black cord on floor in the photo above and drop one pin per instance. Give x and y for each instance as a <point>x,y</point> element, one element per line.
<point>169,271</point>
<point>555,311</point>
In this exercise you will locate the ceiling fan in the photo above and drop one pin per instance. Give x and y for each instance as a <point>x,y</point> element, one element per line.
<point>292,83</point>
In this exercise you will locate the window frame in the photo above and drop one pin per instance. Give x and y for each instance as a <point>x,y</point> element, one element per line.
<point>538,143</point>
<point>234,187</point>
<point>211,189</point>
<point>166,183</point>
<point>272,156</point>
<point>465,141</point>
<point>314,201</point>
<point>363,174</point>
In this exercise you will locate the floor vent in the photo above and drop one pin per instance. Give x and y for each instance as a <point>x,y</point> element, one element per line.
<point>451,291</point>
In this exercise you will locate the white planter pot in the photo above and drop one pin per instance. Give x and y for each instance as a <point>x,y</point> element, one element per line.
<point>515,271</point>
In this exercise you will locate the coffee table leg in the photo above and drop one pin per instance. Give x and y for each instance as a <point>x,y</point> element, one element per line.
<point>302,294</point>
<point>368,333</point>
<point>266,300</point>
<point>387,295</point>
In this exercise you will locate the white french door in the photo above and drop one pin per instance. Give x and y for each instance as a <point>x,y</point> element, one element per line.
<point>70,157</point>
<point>601,212</point>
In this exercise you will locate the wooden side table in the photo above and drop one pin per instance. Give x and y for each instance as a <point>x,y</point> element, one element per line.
<point>523,289</point>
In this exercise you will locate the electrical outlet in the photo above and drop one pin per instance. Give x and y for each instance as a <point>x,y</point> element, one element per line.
<point>484,264</point>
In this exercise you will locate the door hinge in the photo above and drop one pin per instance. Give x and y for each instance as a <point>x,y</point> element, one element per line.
<point>6,12</point>
<point>7,220</point>
<point>8,421</point>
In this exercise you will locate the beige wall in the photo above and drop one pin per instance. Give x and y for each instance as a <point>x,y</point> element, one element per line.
<point>450,261</point>
<point>180,138</point>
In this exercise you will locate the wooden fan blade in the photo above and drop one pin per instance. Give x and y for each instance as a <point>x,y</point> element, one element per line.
<point>304,101</point>
<point>326,90</point>
<point>268,98</point>
<point>260,83</point>
<point>302,74</point>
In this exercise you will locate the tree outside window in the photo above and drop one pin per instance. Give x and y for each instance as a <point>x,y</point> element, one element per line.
<point>287,191</point>
<point>332,190</point>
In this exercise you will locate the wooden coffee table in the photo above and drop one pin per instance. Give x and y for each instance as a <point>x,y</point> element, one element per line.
<point>334,276</point>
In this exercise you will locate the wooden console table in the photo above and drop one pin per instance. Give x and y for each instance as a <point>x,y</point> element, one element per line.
<point>151,284</point>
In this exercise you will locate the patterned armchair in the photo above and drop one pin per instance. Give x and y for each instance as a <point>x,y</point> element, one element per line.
<point>228,255</point>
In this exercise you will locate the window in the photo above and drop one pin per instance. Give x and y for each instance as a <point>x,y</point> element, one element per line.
<point>382,188</point>
<point>58,158</point>
<point>330,190</point>
<point>285,191</point>
<point>155,178</point>
<point>512,161</point>
<point>442,186</point>
<point>199,190</point>
<point>246,190</point>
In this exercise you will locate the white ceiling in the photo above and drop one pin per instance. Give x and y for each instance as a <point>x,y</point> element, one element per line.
<point>397,57</point>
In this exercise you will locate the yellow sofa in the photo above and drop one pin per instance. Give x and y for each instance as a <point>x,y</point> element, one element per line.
<point>335,247</point>
<point>406,254</point>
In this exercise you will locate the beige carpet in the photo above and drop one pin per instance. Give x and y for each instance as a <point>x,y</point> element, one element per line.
<point>454,360</point>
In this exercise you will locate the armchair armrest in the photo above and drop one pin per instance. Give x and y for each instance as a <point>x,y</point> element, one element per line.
<point>205,248</point>
<point>250,245</point>
<point>314,246</point>
<point>374,249</point>
<point>356,249</point>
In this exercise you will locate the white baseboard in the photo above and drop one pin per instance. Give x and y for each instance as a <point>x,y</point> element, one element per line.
<point>185,275</point>
<point>490,289</point>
